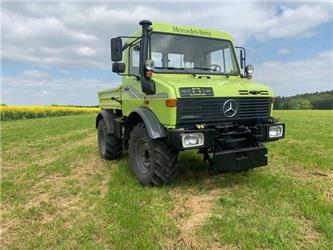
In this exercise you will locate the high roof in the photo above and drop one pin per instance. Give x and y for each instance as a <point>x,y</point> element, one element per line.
<point>190,30</point>
<point>187,30</point>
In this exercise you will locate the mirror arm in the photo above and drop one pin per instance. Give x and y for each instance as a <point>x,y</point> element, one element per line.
<point>129,44</point>
<point>136,76</point>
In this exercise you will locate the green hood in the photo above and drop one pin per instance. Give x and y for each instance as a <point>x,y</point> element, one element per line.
<point>233,86</point>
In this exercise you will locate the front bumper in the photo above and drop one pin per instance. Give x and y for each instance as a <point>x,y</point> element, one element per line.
<point>231,148</point>
<point>258,133</point>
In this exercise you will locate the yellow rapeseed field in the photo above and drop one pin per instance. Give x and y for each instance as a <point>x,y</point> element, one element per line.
<point>27,112</point>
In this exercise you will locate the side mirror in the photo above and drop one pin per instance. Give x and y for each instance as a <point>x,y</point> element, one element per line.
<point>116,49</point>
<point>242,58</point>
<point>118,67</point>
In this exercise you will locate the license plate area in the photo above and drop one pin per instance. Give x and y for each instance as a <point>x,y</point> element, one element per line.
<point>238,160</point>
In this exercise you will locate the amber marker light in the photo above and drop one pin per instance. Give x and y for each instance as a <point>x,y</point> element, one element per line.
<point>149,74</point>
<point>171,103</point>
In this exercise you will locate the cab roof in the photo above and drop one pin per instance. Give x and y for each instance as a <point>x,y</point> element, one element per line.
<point>188,30</point>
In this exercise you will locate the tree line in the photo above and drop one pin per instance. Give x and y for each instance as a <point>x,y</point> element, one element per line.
<point>317,100</point>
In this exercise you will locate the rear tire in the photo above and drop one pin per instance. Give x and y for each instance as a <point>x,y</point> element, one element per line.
<point>110,147</point>
<point>152,162</point>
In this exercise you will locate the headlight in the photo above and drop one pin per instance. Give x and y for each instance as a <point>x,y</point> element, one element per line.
<point>191,140</point>
<point>276,131</point>
<point>149,64</point>
<point>249,69</point>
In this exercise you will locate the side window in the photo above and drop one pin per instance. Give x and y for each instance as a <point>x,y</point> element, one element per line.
<point>134,59</point>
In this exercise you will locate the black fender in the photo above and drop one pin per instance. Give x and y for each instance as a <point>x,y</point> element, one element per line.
<point>154,128</point>
<point>108,117</point>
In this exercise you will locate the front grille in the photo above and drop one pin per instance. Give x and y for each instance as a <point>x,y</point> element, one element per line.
<point>210,110</point>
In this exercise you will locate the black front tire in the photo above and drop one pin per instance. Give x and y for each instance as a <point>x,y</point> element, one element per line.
<point>152,162</point>
<point>110,147</point>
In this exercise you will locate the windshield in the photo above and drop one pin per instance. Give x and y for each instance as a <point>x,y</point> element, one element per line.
<point>190,54</point>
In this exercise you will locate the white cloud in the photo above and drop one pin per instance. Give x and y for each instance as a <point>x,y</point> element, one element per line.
<point>299,76</point>
<point>86,51</point>
<point>21,90</point>
<point>295,22</point>
<point>285,51</point>
<point>34,73</point>
<point>78,33</point>
<point>64,71</point>
<point>56,84</point>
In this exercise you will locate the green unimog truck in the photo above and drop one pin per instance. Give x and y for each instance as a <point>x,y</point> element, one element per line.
<point>183,88</point>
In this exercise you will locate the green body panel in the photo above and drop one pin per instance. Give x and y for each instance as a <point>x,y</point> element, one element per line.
<point>168,84</point>
<point>167,116</point>
<point>105,101</point>
<point>222,86</point>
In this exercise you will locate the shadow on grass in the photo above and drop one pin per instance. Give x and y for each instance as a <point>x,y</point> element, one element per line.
<point>193,173</point>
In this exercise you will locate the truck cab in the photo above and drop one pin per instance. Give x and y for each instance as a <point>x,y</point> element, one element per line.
<point>184,88</point>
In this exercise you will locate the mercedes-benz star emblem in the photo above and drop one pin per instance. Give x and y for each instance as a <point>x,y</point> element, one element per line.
<point>230,108</point>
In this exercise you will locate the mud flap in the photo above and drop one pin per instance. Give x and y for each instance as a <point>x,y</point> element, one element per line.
<point>238,160</point>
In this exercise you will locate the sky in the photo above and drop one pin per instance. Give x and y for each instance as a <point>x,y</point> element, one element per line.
<point>58,52</point>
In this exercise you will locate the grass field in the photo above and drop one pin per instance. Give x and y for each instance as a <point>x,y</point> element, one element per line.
<point>57,193</point>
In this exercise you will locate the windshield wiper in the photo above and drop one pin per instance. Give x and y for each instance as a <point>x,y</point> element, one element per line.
<point>217,72</point>
<point>174,68</point>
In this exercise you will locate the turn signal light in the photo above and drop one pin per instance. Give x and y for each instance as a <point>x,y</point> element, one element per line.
<point>171,102</point>
<point>149,73</point>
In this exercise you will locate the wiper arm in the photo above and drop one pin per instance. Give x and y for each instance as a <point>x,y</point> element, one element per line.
<point>202,68</point>
<point>166,68</point>
<point>218,72</point>
<point>192,73</point>
<point>174,68</point>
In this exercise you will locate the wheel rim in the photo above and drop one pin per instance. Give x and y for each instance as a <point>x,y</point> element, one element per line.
<point>143,156</point>
<point>101,141</point>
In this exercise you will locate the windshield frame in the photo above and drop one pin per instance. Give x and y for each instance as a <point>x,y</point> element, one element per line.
<point>189,70</point>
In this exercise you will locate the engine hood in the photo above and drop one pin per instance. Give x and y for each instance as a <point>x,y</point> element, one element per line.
<point>222,86</point>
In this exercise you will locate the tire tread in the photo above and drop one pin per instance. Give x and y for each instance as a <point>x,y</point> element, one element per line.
<point>114,147</point>
<point>164,168</point>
